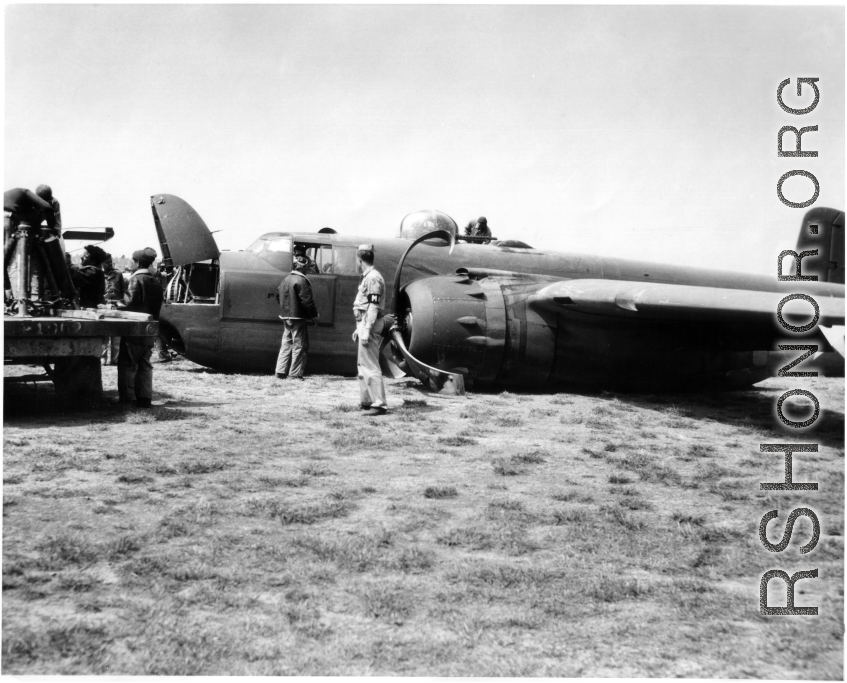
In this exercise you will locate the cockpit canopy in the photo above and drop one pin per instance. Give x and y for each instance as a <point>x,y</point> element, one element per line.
<point>271,242</point>
<point>419,223</point>
<point>275,248</point>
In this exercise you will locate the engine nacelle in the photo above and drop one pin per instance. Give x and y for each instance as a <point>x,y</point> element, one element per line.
<point>490,330</point>
<point>479,329</point>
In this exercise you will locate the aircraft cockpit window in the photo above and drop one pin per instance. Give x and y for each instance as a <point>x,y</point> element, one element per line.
<point>270,243</point>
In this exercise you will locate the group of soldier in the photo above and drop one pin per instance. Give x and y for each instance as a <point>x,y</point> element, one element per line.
<point>297,311</point>
<point>99,284</point>
<point>96,282</point>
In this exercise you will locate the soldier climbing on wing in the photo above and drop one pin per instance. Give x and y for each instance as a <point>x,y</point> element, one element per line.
<point>479,228</point>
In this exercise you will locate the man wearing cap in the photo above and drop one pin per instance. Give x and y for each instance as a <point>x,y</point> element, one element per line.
<point>368,309</point>
<point>144,295</point>
<point>311,268</point>
<point>296,309</point>
<point>479,228</point>
<point>115,290</point>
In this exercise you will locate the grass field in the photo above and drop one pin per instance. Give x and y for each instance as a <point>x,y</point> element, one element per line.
<point>252,527</point>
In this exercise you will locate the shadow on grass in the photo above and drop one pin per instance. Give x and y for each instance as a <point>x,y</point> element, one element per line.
<point>28,407</point>
<point>753,409</point>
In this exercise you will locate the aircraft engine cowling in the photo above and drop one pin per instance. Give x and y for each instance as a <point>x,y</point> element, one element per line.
<point>495,331</point>
<point>478,328</point>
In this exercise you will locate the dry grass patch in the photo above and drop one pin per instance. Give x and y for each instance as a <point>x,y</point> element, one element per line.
<point>505,467</point>
<point>219,548</point>
<point>456,441</point>
<point>440,492</point>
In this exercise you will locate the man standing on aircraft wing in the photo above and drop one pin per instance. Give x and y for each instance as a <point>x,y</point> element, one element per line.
<point>296,309</point>
<point>368,309</point>
<point>479,228</point>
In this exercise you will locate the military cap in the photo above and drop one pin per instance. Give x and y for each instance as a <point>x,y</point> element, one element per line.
<point>482,219</point>
<point>145,256</point>
<point>96,253</point>
<point>299,250</point>
<point>365,247</point>
<point>45,192</point>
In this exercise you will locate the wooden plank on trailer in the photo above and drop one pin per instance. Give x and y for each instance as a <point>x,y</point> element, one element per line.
<point>81,314</point>
<point>102,313</point>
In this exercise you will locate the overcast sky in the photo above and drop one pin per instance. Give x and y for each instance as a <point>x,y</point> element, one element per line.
<point>644,132</point>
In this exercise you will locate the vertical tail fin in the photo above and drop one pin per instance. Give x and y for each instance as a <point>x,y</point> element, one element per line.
<point>823,229</point>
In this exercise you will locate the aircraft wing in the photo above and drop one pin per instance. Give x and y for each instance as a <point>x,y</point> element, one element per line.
<point>658,301</point>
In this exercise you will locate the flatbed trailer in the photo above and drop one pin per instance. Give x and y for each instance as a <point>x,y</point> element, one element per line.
<point>69,347</point>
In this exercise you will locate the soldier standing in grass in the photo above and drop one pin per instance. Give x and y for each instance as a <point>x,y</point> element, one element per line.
<point>368,309</point>
<point>296,309</point>
<point>143,295</point>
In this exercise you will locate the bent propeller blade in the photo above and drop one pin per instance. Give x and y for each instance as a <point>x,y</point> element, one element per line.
<point>386,364</point>
<point>439,381</point>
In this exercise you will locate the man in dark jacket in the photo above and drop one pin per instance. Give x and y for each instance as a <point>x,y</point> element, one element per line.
<point>296,309</point>
<point>479,228</point>
<point>144,295</point>
<point>115,290</point>
<point>89,279</point>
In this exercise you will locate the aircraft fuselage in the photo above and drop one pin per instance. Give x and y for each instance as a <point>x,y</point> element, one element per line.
<point>236,327</point>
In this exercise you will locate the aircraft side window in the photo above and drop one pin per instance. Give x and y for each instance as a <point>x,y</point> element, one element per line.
<point>321,254</point>
<point>344,261</point>
<point>325,260</point>
<point>314,253</point>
